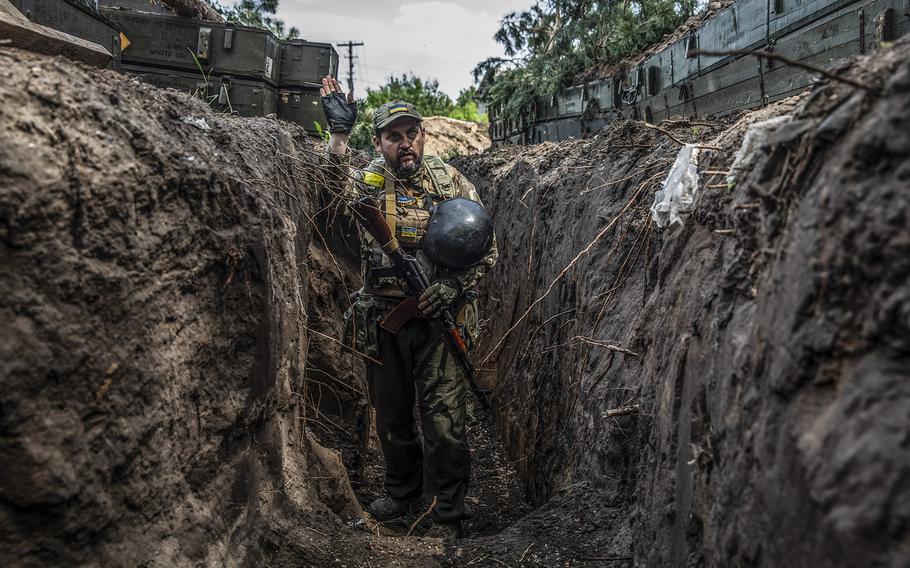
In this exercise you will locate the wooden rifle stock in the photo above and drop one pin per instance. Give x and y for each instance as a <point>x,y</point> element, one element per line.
<point>371,218</point>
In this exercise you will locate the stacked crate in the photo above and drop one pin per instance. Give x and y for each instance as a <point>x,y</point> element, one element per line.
<point>303,65</point>
<point>235,68</point>
<point>79,18</point>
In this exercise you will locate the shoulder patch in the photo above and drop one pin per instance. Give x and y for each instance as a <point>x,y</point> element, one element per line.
<point>374,179</point>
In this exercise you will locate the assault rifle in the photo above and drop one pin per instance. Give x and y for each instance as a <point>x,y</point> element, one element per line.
<point>406,267</point>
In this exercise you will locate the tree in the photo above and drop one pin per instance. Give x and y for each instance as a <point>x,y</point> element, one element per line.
<point>257,14</point>
<point>549,44</point>
<point>422,93</point>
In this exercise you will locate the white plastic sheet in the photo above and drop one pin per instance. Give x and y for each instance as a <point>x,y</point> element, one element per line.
<point>678,193</point>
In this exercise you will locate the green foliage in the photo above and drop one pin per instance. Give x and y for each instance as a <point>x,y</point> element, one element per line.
<point>549,44</point>
<point>321,132</point>
<point>257,14</point>
<point>423,94</point>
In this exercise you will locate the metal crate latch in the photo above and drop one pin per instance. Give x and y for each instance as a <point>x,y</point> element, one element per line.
<point>224,91</point>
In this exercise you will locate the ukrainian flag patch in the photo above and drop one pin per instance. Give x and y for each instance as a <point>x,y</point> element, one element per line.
<point>409,232</point>
<point>397,108</point>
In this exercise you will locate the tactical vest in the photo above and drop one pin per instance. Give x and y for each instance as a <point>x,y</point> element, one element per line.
<point>407,211</point>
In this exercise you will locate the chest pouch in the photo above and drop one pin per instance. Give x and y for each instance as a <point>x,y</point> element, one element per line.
<point>412,226</point>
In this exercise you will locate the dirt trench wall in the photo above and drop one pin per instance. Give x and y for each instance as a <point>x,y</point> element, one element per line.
<point>765,342</point>
<point>156,297</point>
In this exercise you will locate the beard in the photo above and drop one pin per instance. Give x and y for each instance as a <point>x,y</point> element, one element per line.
<point>407,170</point>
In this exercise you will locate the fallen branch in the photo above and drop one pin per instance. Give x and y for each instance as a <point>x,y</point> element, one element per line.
<point>786,61</point>
<point>664,132</point>
<point>621,411</point>
<point>677,140</point>
<point>609,346</point>
<point>423,516</point>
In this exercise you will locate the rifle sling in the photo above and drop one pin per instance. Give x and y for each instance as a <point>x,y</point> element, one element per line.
<point>391,211</point>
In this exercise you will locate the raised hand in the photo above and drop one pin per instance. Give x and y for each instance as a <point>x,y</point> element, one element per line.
<point>340,111</point>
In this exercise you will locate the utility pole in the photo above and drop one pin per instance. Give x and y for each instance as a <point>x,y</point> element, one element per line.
<point>350,45</point>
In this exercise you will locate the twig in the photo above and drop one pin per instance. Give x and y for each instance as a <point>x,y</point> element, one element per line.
<point>723,231</point>
<point>378,362</point>
<point>423,516</point>
<point>664,132</point>
<point>520,560</point>
<point>568,267</point>
<point>677,140</point>
<point>716,186</point>
<point>786,61</point>
<point>622,179</point>
<point>315,531</point>
<point>621,411</point>
<point>609,346</point>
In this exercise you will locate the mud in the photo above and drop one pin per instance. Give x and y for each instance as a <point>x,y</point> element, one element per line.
<point>175,393</point>
<point>158,293</point>
<point>764,342</point>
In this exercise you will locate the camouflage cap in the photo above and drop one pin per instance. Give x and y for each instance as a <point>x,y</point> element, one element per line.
<point>392,111</point>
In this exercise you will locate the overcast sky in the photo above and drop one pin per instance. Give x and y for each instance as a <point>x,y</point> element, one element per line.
<point>440,40</point>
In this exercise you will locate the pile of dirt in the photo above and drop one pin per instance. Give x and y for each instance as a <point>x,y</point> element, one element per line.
<point>165,293</point>
<point>448,137</point>
<point>763,346</point>
<point>728,392</point>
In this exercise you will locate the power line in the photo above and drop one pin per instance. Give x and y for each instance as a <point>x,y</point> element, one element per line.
<point>350,45</point>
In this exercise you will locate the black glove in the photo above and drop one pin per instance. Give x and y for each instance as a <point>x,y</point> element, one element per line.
<point>341,113</point>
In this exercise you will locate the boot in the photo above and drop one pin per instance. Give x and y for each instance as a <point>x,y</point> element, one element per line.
<point>388,508</point>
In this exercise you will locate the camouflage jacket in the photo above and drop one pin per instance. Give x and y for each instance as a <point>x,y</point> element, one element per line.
<point>435,181</point>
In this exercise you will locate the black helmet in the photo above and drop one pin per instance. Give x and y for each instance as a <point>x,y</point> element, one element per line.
<point>459,234</point>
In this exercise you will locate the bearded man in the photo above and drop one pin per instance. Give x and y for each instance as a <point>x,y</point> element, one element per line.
<point>410,366</point>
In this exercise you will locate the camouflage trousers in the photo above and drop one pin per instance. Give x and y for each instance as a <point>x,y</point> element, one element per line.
<point>417,368</point>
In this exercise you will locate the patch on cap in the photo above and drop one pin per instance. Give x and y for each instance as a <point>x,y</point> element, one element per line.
<point>393,110</point>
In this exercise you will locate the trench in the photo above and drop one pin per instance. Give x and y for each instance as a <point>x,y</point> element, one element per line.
<point>731,391</point>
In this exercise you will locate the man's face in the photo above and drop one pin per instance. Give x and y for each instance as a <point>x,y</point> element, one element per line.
<point>401,144</point>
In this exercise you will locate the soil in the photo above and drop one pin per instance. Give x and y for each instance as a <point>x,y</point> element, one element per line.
<point>448,137</point>
<point>764,342</point>
<point>175,392</point>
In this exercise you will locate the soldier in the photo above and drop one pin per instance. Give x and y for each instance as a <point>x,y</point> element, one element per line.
<point>408,184</point>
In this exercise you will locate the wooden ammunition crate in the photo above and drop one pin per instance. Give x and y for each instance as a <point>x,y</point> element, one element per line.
<point>303,107</point>
<point>305,63</point>
<point>223,93</point>
<point>174,42</point>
